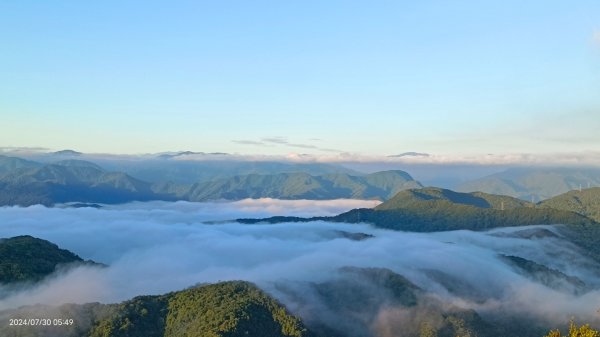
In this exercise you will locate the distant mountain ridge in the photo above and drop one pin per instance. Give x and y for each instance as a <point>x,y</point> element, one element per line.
<point>380,185</point>
<point>187,172</point>
<point>27,183</point>
<point>537,184</point>
<point>71,181</point>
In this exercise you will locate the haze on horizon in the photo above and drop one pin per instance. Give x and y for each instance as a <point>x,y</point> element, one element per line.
<point>273,78</point>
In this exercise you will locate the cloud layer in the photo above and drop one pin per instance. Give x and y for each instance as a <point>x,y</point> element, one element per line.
<point>157,247</point>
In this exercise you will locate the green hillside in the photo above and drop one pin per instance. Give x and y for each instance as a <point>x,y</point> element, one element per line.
<point>28,259</point>
<point>445,216</point>
<point>434,209</point>
<point>432,196</point>
<point>585,202</point>
<point>232,309</point>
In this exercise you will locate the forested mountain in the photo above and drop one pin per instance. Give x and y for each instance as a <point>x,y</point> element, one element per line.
<point>28,259</point>
<point>434,209</point>
<point>226,309</point>
<point>585,202</point>
<point>431,195</point>
<point>232,309</point>
<point>538,183</point>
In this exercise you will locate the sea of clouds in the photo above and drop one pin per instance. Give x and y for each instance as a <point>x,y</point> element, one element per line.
<point>157,247</point>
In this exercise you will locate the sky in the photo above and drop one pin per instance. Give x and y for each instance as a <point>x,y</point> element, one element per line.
<point>317,77</point>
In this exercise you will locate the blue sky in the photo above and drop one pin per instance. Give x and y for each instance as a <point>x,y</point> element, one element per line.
<point>274,77</point>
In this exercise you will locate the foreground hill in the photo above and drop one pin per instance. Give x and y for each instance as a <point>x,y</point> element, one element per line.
<point>380,185</point>
<point>28,259</point>
<point>538,184</point>
<point>226,309</point>
<point>229,309</point>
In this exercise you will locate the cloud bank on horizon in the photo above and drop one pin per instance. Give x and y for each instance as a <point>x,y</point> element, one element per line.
<point>574,158</point>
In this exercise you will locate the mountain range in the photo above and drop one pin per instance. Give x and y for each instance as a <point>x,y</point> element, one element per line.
<point>534,184</point>
<point>26,183</point>
<point>380,185</point>
<point>185,175</point>
<point>72,180</point>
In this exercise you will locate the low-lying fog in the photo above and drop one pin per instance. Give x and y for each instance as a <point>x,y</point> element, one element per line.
<point>156,247</point>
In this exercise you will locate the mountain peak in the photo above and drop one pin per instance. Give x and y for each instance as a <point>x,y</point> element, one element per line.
<point>67,153</point>
<point>409,154</point>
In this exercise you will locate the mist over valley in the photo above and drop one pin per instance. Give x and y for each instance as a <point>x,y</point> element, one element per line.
<point>387,280</point>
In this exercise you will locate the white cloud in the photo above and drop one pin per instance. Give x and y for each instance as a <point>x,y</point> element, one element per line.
<point>575,158</point>
<point>158,247</point>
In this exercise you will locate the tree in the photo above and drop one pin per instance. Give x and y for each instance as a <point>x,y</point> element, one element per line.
<point>574,331</point>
